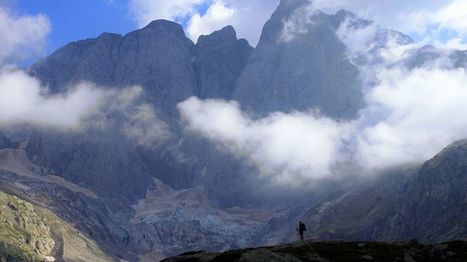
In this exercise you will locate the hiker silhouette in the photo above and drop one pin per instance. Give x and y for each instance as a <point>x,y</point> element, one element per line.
<point>301,229</point>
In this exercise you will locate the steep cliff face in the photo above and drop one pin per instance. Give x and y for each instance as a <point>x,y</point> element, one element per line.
<point>5,142</point>
<point>220,59</point>
<point>157,57</point>
<point>299,64</point>
<point>434,204</point>
<point>170,68</point>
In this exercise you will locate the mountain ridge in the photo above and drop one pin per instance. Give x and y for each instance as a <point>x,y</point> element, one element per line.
<point>310,70</point>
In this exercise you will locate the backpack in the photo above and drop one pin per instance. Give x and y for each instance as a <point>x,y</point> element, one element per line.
<point>302,227</point>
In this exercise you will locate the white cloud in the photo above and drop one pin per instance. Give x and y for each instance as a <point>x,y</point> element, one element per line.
<point>298,24</point>
<point>247,17</point>
<point>145,11</point>
<point>288,146</point>
<point>24,100</point>
<point>418,112</point>
<point>140,121</point>
<point>388,13</point>
<point>22,36</point>
<point>426,20</point>
<point>410,115</point>
<point>452,16</point>
<point>218,14</point>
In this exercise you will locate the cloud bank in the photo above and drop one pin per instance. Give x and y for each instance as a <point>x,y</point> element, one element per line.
<point>412,112</point>
<point>410,116</point>
<point>24,101</point>
<point>285,144</point>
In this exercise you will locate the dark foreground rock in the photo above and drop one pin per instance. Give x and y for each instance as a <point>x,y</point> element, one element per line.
<point>338,251</point>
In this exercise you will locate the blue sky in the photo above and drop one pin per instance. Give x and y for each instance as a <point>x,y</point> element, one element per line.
<point>76,20</point>
<point>73,20</point>
<point>430,21</point>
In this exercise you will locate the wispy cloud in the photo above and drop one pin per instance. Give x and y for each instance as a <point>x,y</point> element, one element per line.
<point>24,101</point>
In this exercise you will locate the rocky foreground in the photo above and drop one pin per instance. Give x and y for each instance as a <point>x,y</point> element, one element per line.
<point>338,251</point>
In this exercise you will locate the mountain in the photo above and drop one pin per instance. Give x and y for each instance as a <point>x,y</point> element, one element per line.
<point>182,192</point>
<point>425,203</point>
<point>163,61</point>
<point>307,69</point>
<point>5,142</point>
<point>220,59</point>
<point>124,174</point>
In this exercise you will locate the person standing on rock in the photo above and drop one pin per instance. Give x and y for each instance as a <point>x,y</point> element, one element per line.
<point>301,229</point>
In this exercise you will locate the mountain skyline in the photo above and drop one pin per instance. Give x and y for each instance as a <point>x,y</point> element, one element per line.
<point>434,22</point>
<point>152,145</point>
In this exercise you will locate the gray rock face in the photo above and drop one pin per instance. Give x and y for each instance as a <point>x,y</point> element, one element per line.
<point>6,143</point>
<point>101,160</point>
<point>220,58</point>
<point>157,57</point>
<point>309,71</point>
<point>434,203</point>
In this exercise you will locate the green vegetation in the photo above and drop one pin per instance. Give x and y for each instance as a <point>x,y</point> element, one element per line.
<point>24,234</point>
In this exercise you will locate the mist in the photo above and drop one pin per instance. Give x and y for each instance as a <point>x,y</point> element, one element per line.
<point>24,101</point>
<point>411,112</point>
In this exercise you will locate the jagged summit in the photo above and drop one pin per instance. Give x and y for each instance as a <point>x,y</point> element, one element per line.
<point>164,24</point>
<point>345,13</point>
<point>299,65</point>
<point>291,4</point>
<point>227,33</point>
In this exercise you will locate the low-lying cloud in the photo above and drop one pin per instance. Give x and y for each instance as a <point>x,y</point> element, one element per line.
<point>412,112</point>
<point>285,144</point>
<point>24,101</point>
<point>410,116</point>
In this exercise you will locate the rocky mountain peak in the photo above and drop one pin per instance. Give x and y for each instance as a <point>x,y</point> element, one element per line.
<point>226,34</point>
<point>291,4</point>
<point>164,25</point>
<point>302,61</point>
